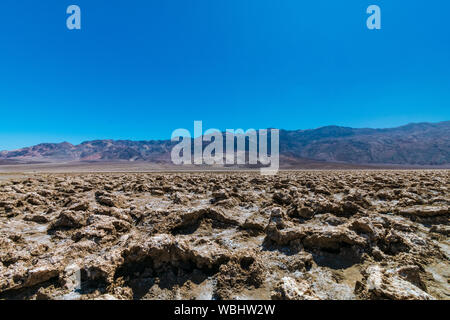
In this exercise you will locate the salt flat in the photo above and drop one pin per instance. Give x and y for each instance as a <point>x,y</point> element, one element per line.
<point>323,234</point>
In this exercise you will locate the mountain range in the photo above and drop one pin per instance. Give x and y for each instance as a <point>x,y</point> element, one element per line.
<point>416,144</point>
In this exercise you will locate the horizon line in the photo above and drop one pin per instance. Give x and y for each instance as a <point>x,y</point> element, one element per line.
<point>310,129</point>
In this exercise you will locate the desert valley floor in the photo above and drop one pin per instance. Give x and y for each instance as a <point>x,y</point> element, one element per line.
<point>350,234</point>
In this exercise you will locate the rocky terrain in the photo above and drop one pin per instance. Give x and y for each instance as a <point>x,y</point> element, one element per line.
<point>297,235</point>
<point>419,144</point>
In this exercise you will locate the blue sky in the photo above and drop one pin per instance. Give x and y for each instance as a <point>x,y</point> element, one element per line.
<point>140,69</point>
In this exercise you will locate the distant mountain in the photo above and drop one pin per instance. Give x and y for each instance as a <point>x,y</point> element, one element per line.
<point>97,150</point>
<point>413,144</point>
<point>426,144</point>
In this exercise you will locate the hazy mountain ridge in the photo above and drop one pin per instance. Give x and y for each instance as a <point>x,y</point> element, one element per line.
<point>412,144</point>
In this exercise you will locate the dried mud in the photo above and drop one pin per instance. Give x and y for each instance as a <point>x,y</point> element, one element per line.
<point>297,235</point>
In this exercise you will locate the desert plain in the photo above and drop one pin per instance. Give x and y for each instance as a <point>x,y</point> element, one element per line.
<point>318,234</point>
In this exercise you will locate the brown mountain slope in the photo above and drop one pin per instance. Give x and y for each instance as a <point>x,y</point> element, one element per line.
<point>413,144</point>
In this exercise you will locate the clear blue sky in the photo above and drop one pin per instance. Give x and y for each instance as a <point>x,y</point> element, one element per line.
<point>140,69</point>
